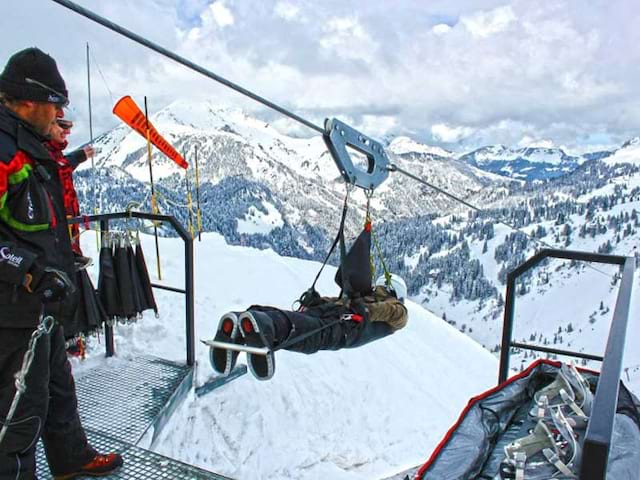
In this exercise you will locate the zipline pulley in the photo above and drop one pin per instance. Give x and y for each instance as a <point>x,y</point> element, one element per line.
<point>339,137</point>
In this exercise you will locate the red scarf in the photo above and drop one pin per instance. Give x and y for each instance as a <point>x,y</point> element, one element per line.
<point>71,204</point>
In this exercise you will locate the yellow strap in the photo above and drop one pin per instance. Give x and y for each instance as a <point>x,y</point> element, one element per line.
<point>387,275</point>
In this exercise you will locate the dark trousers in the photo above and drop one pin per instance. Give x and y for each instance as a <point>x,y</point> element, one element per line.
<point>47,409</point>
<point>321,328</point>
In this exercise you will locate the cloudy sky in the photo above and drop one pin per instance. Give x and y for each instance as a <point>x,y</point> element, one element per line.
<point>458,74</point>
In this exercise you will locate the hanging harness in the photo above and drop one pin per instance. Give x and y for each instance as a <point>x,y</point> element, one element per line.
<point>310,298</point>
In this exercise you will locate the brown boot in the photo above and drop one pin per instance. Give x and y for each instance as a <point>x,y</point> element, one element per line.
<point>100,466</point>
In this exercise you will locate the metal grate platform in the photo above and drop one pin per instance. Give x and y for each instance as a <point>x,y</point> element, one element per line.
<point>123,399</point>
<point>139,464</point>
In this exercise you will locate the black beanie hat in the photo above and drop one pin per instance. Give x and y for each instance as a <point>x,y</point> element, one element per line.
<point>31,74</point>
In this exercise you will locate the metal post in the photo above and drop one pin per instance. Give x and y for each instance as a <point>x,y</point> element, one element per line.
<point>189,301</point>
<point>507,329</point>
<point>595,455</point>
<point>93,161</point>
<point>199,212</point>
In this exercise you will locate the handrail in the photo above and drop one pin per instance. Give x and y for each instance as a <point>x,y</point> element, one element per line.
<point>600,430</point>
<point>188,291</point>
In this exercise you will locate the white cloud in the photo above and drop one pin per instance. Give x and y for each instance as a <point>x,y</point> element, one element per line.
<point>378,125</point>
<point>287,10</point>
<point>562,70</point>
<point>221,14</point>
<point>347,38</point>
<point>441,29</point>
<point>450,134</point>
<point>484,24</point>
<point>530,142</point>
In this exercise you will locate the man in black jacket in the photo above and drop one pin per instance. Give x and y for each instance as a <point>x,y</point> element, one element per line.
<point>36,265</point>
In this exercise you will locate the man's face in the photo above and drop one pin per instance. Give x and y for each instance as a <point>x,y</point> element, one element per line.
<point>42,116</point>
<point>59,133</point>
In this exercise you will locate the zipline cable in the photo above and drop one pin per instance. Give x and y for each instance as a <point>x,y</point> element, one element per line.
<point>187,63</point>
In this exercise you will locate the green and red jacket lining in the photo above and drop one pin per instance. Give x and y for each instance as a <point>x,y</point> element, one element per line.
<point>33,225</point>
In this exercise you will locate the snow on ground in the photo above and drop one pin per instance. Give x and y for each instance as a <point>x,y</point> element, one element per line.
<point>629,153</point>
<point>402,145</point>
<point>256,221</point>
<point>560,297</point>
<point>354,414</point>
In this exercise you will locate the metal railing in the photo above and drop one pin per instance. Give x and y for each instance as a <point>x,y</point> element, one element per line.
<point>188,290</point>
<point>600,430</point>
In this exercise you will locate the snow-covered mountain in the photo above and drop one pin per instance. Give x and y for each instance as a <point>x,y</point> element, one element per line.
<point>561,304</point>
<point>281,190</point>
<point>530,163</point>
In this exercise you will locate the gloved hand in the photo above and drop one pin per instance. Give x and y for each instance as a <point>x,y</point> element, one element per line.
<point>89,152</point>
<point>358,307</point>
<point>50,284</point>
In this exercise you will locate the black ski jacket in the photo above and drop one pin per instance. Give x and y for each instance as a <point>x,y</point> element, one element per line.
<point>33,224</point>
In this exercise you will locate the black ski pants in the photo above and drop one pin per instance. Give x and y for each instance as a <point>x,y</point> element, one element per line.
<point>322,328</point>
<point>47,409</point>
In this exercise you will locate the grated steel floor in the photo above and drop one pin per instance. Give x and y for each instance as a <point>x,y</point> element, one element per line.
<point>122,399</point>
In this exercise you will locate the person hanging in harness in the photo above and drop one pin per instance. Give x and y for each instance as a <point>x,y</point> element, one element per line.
<point>361,314</point>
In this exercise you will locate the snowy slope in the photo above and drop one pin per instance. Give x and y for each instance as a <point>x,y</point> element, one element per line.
<point>354,414</point>
<point>564,306</point>
<point>628,153</point>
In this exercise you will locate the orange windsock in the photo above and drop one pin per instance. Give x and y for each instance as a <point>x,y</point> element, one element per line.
<point>127,110</point>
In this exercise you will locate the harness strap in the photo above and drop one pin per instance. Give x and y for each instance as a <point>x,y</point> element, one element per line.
<point>554,460</point>
<point>520,459</point>
<point>572,404</point>
<point>310,294</point>
<point>368,225</point>
<point>346,284</point>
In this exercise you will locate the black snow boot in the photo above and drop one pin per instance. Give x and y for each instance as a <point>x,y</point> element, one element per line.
<point>259,331</point>
<point>223,360</point>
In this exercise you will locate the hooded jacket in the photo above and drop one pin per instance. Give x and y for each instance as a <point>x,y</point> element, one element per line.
<point>380,306</point>
<point>33,225</point>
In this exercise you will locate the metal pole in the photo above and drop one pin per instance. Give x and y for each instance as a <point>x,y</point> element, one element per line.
<point>154,208</point>
<point>90,114</point>
<point>199,213</point>
<point>189,199</point>
<point>597,444</point>
<point>507,328</point>
<point>189,301</point>
<point>93,162</point>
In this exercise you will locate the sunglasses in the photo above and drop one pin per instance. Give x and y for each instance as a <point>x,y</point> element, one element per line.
<point>55,97</point>
<point>65,124</point>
